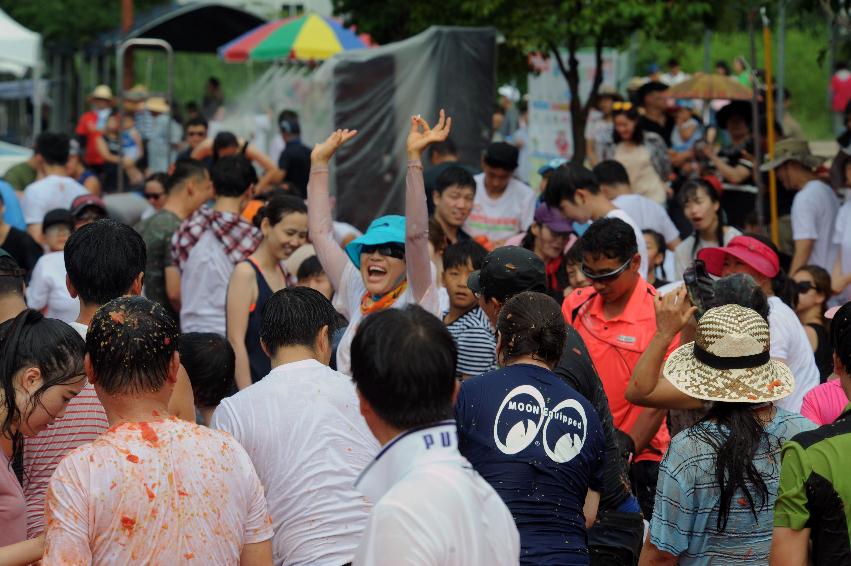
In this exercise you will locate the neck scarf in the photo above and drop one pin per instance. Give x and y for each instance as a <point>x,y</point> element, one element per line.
<point>368,305</point>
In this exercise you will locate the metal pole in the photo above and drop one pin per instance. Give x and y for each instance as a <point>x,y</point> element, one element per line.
<point>769,118</point>
<point>781,62</point>
<point>757,141</point>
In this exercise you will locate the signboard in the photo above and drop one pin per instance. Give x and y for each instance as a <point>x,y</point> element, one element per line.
<point>550,130</point>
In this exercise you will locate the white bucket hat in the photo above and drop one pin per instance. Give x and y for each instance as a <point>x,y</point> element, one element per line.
<point>729,360</point>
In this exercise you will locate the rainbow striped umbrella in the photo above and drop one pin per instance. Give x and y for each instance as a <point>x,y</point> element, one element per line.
<point>309,37</point>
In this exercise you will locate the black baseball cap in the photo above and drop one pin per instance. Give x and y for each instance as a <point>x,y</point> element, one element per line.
<point>57,216</point>
<point>502,155</point>
<point>507,271</point>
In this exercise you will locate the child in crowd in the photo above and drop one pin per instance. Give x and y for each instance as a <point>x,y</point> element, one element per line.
<point>573,267</point>
<point>48,291</point>
<point>210,362</point>
<point>464,319</point>
<point>655,257</point>
<point>310,274</point>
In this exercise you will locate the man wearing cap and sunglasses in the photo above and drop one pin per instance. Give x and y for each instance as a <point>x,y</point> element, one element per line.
<point>616,319</point>
<point>814,207</point>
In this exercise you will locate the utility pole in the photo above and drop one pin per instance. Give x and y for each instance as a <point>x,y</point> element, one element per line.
<point>126,26</point>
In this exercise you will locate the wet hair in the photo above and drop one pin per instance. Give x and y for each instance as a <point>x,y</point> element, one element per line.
<point>740,289</point>
<point>130,342</point>
<point>223,140</point>
<point>735,433</point>
<point>840,335</point>
<point>609,237</point>
<point>53,147</point>
<point>184,169</point>
<point>566,180</point>
<point>160,178</point>
<point>279,206</point>
<point>459,253</point>
<point>232,176</point>
<point>103,259</point>
<point>294,317</point>
<point>781,284</point>
<point>637,130</point>
<point>309,268</point>
<point>454,176</point>
<point>611,172</point>
<point>403,362</point>
<point>210,362</point>
<point>11,277</point>
<point>691,190</point>
<point>532,324</point>
<point>31,340</point>
<point>195,120</point>
<point>821,281</point>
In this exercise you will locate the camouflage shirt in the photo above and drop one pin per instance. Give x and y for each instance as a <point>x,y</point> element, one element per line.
<point>157,232</point>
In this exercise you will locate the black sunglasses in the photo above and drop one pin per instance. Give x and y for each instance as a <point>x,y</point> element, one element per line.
<point>152,196</point>
<point>605,277</point>
<point>387,250</point>
<point>805,287</point>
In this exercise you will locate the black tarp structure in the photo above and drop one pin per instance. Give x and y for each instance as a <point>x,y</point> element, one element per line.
<point>198,28</point>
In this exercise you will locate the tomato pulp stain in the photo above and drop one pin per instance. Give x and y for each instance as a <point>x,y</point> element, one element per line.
<point>133,458</point>
<point>151,494</point>
<point>149,435</point>
<point>128,524</point>
<point>117,317</point>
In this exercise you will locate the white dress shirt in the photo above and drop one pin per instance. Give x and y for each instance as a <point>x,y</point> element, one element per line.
<point>432,508</point>
<point>301,425</point>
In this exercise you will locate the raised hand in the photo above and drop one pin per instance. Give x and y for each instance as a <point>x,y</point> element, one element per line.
<point>421,135</point>
<point>673,312</point>
<point>323,152</point>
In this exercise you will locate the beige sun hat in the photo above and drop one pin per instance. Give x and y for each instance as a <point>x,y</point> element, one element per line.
<point>729,360</point>
<point>102,92</point>
<point>157,104</point>
<point>295,260</point>
<point>793,149</point>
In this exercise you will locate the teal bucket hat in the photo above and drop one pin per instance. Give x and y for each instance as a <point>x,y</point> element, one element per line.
<point>383,230</point>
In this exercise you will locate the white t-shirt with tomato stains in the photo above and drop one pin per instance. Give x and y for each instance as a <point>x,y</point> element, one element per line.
<point>163,492</point>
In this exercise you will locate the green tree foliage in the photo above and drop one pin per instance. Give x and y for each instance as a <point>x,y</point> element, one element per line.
<point>543,25</point>
<point>71,23</point>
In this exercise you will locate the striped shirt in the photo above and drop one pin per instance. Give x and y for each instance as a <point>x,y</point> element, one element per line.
<point>84,420</point>
<point>688,498</point>
<point>475,341</point>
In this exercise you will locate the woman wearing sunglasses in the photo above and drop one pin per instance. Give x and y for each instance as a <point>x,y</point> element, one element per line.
<point>813,286</point>
<point>389,266</point>
<point>644,155</point>
<point>826,402</point>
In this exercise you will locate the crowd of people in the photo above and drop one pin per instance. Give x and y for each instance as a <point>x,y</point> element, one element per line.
<point>616,367</point>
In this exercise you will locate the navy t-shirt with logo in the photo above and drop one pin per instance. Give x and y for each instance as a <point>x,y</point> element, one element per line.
<point>540,445</point>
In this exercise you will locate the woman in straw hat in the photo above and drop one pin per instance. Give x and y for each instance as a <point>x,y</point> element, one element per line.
<point>719,478</point>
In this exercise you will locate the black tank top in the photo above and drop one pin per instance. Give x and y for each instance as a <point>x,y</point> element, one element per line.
<point>258,361</point>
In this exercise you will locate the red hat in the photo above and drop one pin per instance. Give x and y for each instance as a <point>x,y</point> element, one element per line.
<point>748,250</point>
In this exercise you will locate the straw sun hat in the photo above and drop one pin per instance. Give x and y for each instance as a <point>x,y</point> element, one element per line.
<point>729,360</point>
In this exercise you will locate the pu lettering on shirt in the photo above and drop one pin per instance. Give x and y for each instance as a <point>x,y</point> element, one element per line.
<point>524,417</point>
<point>445,439</point>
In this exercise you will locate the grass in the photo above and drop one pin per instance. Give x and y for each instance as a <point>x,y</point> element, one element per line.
<point>806,79</point>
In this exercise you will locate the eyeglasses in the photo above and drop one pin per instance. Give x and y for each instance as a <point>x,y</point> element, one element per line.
<point>621,106</point>
<point>153,196</point>
<point>386,250</point>
<point>805,286</point>
<point>605,277</point>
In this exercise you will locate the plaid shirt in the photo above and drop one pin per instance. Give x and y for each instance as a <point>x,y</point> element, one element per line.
<point>238,237</point>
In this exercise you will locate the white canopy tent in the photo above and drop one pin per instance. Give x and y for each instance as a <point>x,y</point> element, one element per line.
<point>20,50</point>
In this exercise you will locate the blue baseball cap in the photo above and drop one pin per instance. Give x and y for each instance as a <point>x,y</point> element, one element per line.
<point>384,230</point>
<point>551,165</point>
